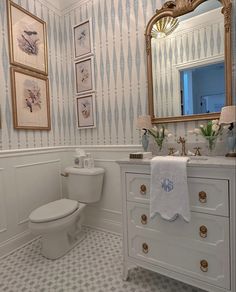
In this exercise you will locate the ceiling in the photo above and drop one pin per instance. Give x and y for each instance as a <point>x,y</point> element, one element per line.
<point>62,4</point>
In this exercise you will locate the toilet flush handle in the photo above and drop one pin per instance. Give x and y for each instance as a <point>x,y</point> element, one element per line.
<point>65,174</point>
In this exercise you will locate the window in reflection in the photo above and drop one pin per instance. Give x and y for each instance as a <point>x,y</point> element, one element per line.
<point>202,89</point>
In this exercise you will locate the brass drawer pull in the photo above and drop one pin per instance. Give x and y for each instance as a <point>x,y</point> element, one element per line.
<point>202,197</point>
<point>144,219</point>
<point>143,189</point>
<point>145,248</point>
<point>203,231</point>
<point>204,266</point>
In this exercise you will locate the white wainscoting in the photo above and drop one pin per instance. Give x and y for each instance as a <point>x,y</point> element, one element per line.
<point>36,184</point>
<point>3,220</point>
<point>30,178</point>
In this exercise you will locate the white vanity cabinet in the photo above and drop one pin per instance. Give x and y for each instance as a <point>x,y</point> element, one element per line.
<point>200,253</point>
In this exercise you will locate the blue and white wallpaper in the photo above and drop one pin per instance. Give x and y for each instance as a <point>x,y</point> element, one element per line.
<point>61,107</point>
<point>120,74</point>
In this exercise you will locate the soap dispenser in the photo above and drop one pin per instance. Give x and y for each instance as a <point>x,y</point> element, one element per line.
<point>79,158</point>
<point>88,161</point>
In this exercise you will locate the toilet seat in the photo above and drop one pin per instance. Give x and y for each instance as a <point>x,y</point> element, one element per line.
<point>54,210</point>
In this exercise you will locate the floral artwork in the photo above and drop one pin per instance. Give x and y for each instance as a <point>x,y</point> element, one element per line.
<point>85,111</point>
<point>32,95</point>
<point>30,100</point>
<point>27,39</point>
<point>82,39</point>
<point>84,75</point>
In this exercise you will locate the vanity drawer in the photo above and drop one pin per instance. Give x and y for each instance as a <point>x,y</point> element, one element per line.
<point>202,228</point>
<point>209,195</point>
<point>206,263</point>
<point>138,187</point>
<point>206,195</point>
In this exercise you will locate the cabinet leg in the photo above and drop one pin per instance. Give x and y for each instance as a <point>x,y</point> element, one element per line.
<point>125,273</point>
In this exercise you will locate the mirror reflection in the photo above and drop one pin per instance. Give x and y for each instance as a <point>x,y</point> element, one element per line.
<point>202,89</point>
<point>188,63</point>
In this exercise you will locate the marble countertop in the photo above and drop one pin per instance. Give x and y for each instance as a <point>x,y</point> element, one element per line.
<point>205,161</point>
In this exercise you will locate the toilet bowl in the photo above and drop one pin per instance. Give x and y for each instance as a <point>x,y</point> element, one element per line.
<point>60,222</point>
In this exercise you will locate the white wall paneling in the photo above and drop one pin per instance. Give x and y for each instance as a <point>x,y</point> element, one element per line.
<point>36,184</point>
<point>3,224</point>
<point>31,178</point>
<point>27,180</point>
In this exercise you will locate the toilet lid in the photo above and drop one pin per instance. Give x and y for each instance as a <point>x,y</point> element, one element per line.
<point>54,210</point>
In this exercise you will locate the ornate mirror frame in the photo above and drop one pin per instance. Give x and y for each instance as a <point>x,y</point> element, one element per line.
<point>174,9</point>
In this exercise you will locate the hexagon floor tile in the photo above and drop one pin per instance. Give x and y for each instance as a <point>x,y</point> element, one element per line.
<point>94,265</point>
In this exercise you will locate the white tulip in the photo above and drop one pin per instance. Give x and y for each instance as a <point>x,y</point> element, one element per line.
<point>201,126</point>
<point>169,135</point>
<point>155,128</point>
<point>215,122</point>
<point>197,131</point>
<point>215,128</point>
<point>161,130</point>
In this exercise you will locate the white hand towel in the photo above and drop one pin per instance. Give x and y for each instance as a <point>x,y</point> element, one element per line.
<point>169,189</point>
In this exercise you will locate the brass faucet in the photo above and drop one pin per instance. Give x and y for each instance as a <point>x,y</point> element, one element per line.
<point>197,151</point>
<point>182,141</point>
<point>171,151</point>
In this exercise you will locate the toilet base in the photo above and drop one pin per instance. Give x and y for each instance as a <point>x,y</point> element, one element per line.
<point>52,250</point>
<point>60,236</point>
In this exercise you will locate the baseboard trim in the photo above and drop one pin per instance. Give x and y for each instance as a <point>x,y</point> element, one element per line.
<point>103,219</point>
<point>104,224</point>
<point>103,229</point>
<point>12,244</point>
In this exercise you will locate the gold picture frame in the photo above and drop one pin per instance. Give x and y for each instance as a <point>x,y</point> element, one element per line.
<point>30,100</point>
<point>27,39</point>
<point>175,9</point>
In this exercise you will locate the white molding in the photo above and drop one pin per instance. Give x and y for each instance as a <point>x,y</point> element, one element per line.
<point>62,7</point>
<point>45,150</point>
<point>16,167</point>
<point>103,219</point>
<point>4,218</point>
<point>197,63</point>
<point>51,5</point>
<point>71,5</point>
<point>14,243</point>
<point>3,230</point>
<point>37,163</point>
<point>103,230</point>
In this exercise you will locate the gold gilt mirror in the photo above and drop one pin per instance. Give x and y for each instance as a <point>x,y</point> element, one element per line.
<point>189,60</point>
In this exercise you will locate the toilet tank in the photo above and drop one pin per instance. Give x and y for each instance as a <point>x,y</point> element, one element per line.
<point>85,184</point>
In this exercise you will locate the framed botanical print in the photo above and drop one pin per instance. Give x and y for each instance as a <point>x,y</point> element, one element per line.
<point>86,111</point>
<point>27,39</point>
<point>82,39</point>
<point>84,79</point>
<point>30,100</point>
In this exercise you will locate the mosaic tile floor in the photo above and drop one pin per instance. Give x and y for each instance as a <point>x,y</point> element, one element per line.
<point>95,265</point>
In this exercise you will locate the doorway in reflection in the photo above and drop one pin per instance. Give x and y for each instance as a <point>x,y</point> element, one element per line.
<point>202,89</point>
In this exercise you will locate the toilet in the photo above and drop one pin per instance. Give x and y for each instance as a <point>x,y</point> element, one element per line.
<point>59,222</point>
